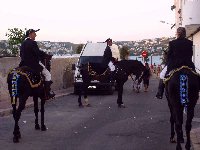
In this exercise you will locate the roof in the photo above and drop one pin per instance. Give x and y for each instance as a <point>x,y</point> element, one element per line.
<point>97,49</point>
<point>94,49</point>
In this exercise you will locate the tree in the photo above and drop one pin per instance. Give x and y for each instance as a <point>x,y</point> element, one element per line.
<point>79,48</point>
<point>124,52</point>
<point>15,38</point>
<point>164,56</point>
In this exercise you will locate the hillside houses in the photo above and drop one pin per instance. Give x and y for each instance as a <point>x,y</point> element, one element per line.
<point>153,46</point>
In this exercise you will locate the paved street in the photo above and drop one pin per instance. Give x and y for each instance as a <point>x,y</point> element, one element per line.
<point>143,125</point>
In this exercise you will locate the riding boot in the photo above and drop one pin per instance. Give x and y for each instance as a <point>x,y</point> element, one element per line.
<point>161,88</point>
<point>47,86</point>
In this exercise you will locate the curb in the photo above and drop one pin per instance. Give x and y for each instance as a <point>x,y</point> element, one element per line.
<point>8,111</point>
<point>195,138</point>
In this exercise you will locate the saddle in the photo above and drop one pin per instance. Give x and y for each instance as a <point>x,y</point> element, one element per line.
<point>34,78</point>
<point>171,73</point>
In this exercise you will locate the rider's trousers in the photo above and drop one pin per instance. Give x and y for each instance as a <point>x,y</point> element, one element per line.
<point>46,73</point>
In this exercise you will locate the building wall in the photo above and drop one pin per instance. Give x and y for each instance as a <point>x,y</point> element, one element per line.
<point>62,74</point>
<point>178,19</point>
<point>196,42</point>
<point>190,9</point>
<point>189,17</point>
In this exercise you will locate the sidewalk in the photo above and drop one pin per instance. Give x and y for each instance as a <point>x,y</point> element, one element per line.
<point>6,108</point>
<point>195,133</point>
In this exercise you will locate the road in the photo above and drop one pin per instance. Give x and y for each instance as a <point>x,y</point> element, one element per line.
<point>142,125</point>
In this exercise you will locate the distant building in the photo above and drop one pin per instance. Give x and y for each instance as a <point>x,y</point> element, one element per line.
<point>187,15</point>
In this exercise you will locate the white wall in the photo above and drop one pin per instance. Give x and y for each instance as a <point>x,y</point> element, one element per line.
<point>190,12</point>
<point>196,42</point>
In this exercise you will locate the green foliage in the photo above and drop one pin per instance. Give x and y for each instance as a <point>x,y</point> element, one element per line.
<point>79,48</point>
<point>164,56</point>
<point>124,52</point>
<point>15,38</point>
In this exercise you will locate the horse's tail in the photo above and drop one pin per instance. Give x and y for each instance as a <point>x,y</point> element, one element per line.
<point>12,80</point>
<point>184,91</point>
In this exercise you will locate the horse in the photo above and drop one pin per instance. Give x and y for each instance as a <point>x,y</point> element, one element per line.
<point>91,71</point>
<point>22,83</point>
<point>182,93</point>
<point>124,68</point>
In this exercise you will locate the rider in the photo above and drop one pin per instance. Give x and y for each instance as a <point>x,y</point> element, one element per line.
<point>107,58</point>
<point>31,57</point>
<point>179,54</point>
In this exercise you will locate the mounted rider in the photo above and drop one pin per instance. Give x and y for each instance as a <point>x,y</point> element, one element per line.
<point>31,56</point>
<point>107,58</point>
<point>179,54</point>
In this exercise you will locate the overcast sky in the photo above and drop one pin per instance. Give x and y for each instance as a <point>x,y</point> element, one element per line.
<point>79,21</point>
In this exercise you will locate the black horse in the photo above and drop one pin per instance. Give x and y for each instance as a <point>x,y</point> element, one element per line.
<point>182,92</point>
<point>22,83</point>
<point>124,68</point>
<point>91,71</point>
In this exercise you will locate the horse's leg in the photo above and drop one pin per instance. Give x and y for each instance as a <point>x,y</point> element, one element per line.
<point>178,125</point>
<point>79,95</point>
<point>16,131</point>
<point>85,95</point>
<point>172,122</point>
<point>17,115</point>
<point>120,92</point>
<point>43,127</point>
<point>172,140</point>
<point>188,126</point>
<point>36,110</point>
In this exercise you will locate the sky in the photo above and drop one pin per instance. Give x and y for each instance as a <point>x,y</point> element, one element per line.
<point>79,21</point>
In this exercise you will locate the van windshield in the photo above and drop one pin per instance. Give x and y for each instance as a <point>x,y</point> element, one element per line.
<point>92,59</point>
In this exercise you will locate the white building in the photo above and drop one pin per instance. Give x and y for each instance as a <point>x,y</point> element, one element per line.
<point>187,14</point>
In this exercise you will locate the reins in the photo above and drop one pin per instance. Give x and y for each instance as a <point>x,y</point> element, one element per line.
<point>93,73</point>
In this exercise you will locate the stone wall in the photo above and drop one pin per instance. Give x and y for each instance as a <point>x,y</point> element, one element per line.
<point>62,74</point>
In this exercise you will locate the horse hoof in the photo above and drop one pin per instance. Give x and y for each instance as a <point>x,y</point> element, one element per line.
<point>37,127</point>
<point>187,146</point>
<point>121,106</point>
<point>178,147</point>
<point>15,140</point>
<point>43,128</point>
<point>88,105</point>
<point>19,136</point>
<point>80,105</point>
<point>172,140</point>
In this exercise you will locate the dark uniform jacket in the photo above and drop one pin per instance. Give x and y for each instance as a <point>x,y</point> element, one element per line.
<point>107,57</point>
<point>180,54</point>
<point>31,55</point>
